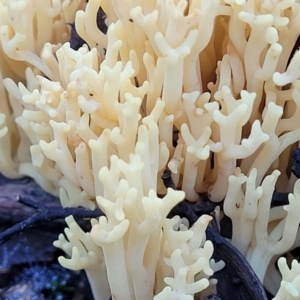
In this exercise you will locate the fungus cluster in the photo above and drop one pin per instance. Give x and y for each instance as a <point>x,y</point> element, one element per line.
<point>206,89</point>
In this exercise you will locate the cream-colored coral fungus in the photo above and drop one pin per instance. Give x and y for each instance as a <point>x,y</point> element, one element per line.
<point>206,89</point>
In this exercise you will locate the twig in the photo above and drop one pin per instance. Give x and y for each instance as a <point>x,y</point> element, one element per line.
<point>45,214</point>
